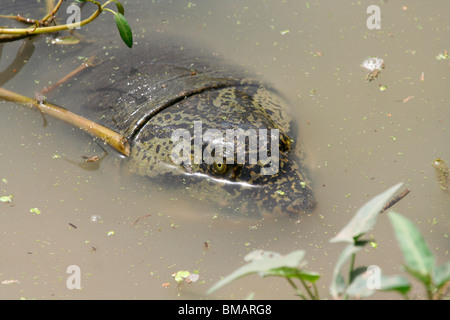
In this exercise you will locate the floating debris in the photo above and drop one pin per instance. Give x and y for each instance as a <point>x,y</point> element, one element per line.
<point>407,99</point>
<point>135,221</point>
<point>443,56</point>
<point>6,199</point>
<point>443,173</point>
<point>35,211</point>
<point>180,275</point>
<point>67,40</point>
<point>193,277</point>
<point>95,218</point>
<point>90,159</point>
<point>185,276</point>
<point>374,65</point>
<point>9,281</point>
<point>318,54</point>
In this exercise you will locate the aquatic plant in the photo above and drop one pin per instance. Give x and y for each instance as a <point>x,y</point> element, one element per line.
<point>39,26</point>
<point>362,281</point>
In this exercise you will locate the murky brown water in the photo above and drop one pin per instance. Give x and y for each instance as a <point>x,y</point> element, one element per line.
<point>359,142</point>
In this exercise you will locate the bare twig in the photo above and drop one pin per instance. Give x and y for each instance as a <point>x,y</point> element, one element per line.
<point>114,139</point>
<point>37,29</point>
<point>395,200</point>
<point>137,220</point>
<point>83,66</point>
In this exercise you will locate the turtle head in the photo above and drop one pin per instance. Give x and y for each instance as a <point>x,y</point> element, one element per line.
<point>231,146</point>
<point>278,186</point>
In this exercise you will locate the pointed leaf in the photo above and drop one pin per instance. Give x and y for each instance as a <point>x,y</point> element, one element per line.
<point>366,217</point>
<point>418,258</point>
<point>396,282</point>
<point>293,273</point>
<point>120,8</point>
<point>357,272</point>
<point>262,265</point>
<point>364,285</point>
<point>359,288</point>
<point>124,29</point>
<point>337,286</point>
<point>441,274</point>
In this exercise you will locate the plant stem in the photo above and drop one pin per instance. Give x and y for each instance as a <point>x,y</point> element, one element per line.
<point>299,293</point>
<point>316,292</point>
<point>37,30</point>
<point>429,292</point>
<point>114,139</point>
<point>106,3</point>
<point>89,63</point>
<point>352,266</point>
<point>311,295</point>
<point>52,11</point>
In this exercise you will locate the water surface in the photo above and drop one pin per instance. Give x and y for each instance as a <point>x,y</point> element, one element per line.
<point>359,141</point>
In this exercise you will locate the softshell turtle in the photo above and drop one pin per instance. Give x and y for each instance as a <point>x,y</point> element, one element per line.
<point>195,121</point>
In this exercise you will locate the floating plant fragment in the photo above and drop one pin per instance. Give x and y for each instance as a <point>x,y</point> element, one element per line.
<point>185,276</point>
<point>374,65</point>
<point>443,173</point>
<point>6,199</point>
<point>443,56</point>
<point>68,40</point>
<point>35,211</point>
<point>180,276</point>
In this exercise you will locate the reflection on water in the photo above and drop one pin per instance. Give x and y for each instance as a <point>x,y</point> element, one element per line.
<point>359,141</point>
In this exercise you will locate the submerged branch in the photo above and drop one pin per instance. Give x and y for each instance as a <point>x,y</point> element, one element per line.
<point>114,139</point>
<point>89,63</point>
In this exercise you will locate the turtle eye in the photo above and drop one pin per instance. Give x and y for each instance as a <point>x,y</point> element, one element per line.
<point>220,167</point>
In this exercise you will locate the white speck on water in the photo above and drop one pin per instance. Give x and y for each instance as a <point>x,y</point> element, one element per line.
<point>373,64</point>
<point>95,218</point>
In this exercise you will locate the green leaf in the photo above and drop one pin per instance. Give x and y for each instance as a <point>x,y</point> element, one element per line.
<point>124,29</point>
<point>181,275</point>
<point>441,274</point>
<point>337,286</point>
<point>6,198</point>
<point>293,273</point>
<point>418,258</point>
<point>120,7</point>
<point>395,283</point>
<point>35,211</point>
<point>67,40</point>
<point>359,288</point>
<point>366,217</point>
<point>262,262</point>
<point>366,284</point>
